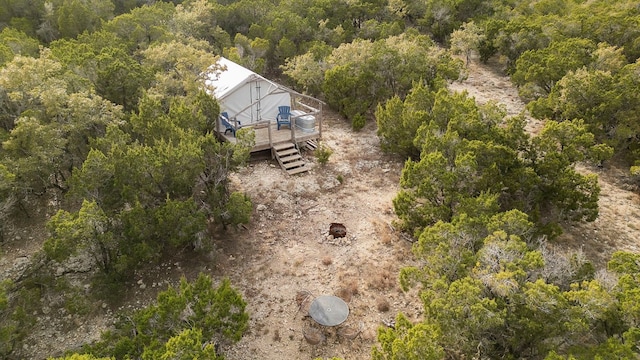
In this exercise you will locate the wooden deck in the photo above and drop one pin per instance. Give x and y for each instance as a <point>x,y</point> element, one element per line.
<point>268,135</point>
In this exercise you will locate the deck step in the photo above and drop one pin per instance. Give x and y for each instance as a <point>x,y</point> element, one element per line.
<point>311,145</point>
<point>283,146</point>
<point>289,158</point>
<point>287,152</point>
<point>297,170</point>
<point>293,165</point>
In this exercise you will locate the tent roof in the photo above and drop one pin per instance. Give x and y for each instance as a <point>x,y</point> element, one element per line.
<point>229,78</point>
<point>233,75</point>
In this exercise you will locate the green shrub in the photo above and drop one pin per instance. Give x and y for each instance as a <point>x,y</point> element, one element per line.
<point>217,313</point>
<point>323,153</point>
<point>358,122</point>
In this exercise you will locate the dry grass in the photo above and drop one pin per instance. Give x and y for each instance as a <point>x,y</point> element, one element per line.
<point>362,187</point>
<point>348,193</point>
<point>382,304</point>
<point>385,234</point>
<point>251,293</point>
<point>403,252</point>
<point>348,290</point>
<point>347,142</point>
<point>279,228</point>
<point>382,279</point>
<point>349,332</point>
<point>310,195</point>
<point>313,336</point>
<point>378,182</point>
<point>303,300</point>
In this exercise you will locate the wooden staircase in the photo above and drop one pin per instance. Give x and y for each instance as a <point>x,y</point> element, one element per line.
<point>289,158</point>
<point>311,145</point>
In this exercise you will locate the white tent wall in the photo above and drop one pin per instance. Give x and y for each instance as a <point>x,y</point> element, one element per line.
<point>254,101</point>
<point>245,95</point>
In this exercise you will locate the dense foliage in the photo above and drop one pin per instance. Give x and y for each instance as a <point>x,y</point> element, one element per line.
<point>491,291</point>
<point>473,160</point>
<point>574,60</point>
<point>363,73</point>
<point>103,114</point>
<point>187,322</point>
<point>117,135</point>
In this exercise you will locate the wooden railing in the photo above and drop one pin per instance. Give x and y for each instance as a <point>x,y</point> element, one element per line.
<point>260,125</point>
<point>317,113</point>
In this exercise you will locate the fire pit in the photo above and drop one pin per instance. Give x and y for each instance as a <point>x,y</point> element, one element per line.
<point>337,230</point>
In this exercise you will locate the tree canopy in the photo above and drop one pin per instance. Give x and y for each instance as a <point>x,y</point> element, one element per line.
<point>472,158</point>
<point>487,293</point>
<point>187,321</point>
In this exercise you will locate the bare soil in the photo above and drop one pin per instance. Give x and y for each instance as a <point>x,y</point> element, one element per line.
<point>286,252</point>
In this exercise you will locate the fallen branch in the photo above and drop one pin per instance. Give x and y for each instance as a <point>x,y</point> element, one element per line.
<point>407,237</point>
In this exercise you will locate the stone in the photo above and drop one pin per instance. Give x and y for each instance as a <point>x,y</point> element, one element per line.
<point>59,271</point>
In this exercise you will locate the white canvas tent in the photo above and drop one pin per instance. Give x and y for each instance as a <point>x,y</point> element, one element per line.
<point>245,95</point>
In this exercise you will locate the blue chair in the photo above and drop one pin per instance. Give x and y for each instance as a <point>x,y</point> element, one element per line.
<point>284,116</point>
<point>226,121</point>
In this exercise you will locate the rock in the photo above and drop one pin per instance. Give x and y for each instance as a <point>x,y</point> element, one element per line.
<point>330,183</point>
<point>20,265</point>
<point>81,263</point>
<point>283,201</point>
<point>344,169</point>
<point>261,207</point>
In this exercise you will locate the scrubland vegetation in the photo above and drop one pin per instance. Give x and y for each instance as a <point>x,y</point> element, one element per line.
<point>104,114</point>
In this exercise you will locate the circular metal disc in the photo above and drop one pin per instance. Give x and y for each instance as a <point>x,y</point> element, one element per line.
<point>329,310</point>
